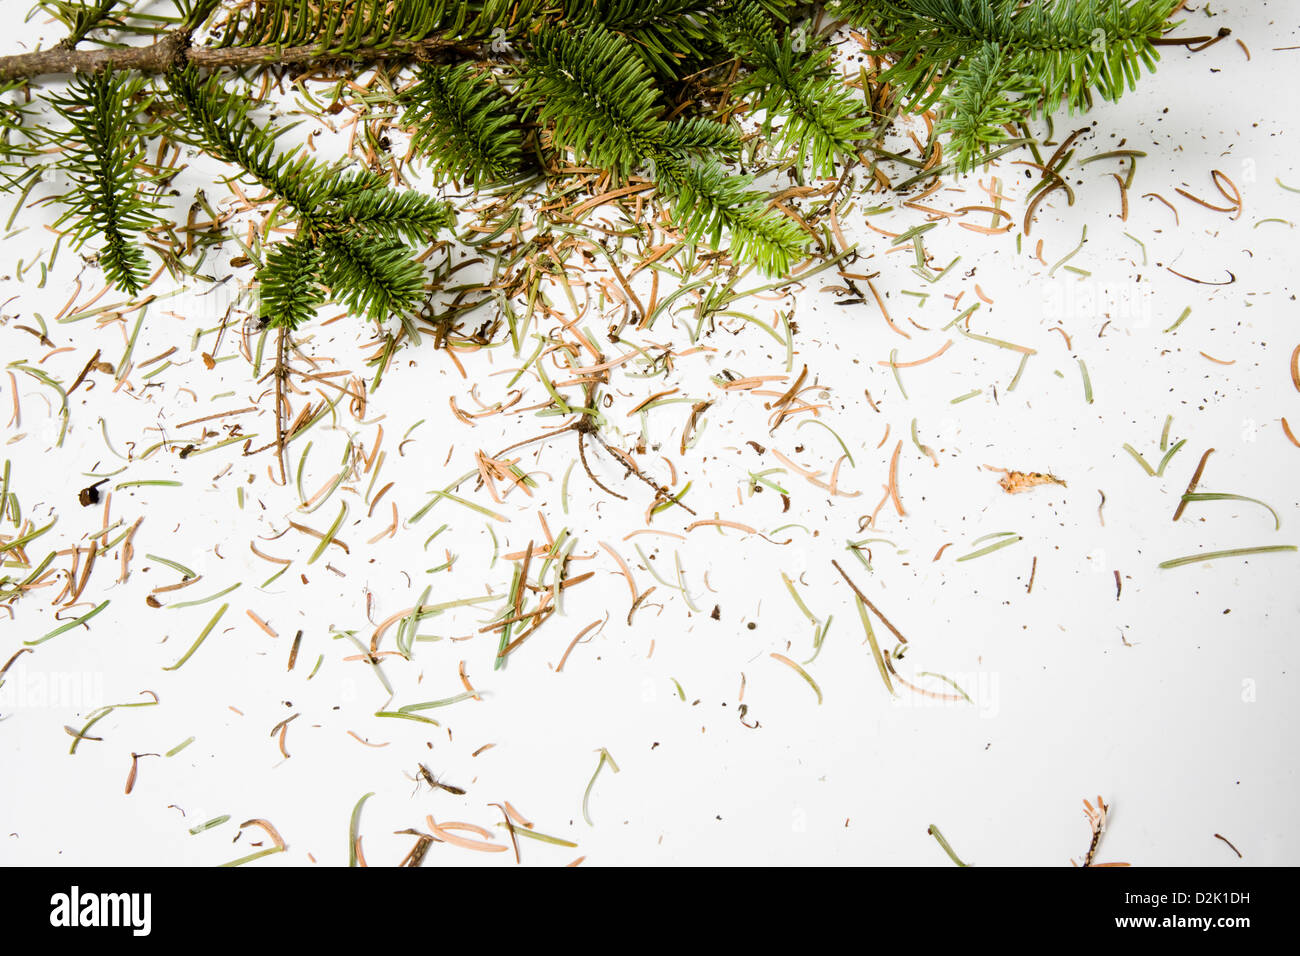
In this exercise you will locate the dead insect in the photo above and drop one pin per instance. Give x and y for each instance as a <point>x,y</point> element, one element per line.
<point>427,776</point>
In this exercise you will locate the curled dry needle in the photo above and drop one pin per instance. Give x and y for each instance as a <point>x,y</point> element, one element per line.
<point>510,828</point>
<point>888,661</point>
<point>1231,277</point>
<point>445,833</point>
<point>892,488</point>
<point>282,728</point>
<point>578,639</point>
<point>947,680</point>
<point>70,624</point>
<point>279,847</point>
<point>10,663</point>
<point>1224,496</point>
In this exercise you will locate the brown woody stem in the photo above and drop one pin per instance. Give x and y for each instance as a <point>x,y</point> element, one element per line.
<point>172,52</point>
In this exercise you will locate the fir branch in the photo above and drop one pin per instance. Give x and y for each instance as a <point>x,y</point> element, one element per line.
<point>1068,45</point>
<point>985,95</point>
<point>596,94</point>
<point>959,53</point>
<point>217,119</point>
<point>630,16</point>
<point>599,98</point>
<point>172,53</point>
<point>707,198</point>
<point>289,284</point>
<point>388,214</point>
<point>664,33</point>
<point>464,122</point>
<point>600,78</point>
<point>354,225</point>
<point>792,81</point>
<point>101,153</point>
<point>700,136</point>
<point>376,278</point>
<point>331,27</point>
<point>344,29</point>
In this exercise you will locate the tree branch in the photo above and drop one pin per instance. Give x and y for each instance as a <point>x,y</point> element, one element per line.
<point>172,52</point>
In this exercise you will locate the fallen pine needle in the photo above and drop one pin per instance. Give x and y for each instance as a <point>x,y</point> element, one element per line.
<point>934,832</point>
<point>444,833</point>
<point>801,672</point>
<point>586,796</point>
<point>1230,553</point>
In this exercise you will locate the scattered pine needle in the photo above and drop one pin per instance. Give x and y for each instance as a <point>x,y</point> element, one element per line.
<point>801,672</point>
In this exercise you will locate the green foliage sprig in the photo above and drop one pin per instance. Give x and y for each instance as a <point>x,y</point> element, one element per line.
<point>343,28</point>
<point>354,231</point>
<point>101,151</point>
<point>792,81</point>
<point>80,18</point>
<point>462,117</point>
<point>989,62</point>
<point>505,91</point>
<point>599,100</point>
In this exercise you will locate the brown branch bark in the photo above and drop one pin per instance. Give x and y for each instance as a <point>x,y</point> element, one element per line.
<point>172,52</point>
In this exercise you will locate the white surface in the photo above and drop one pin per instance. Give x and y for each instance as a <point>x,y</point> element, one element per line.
<point>1187,733</point>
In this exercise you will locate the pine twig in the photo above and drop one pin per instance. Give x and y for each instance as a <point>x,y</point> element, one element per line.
<point>173,52</point>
